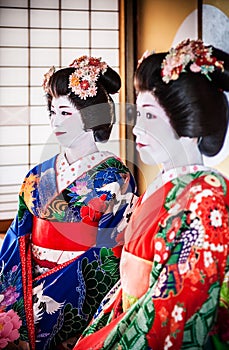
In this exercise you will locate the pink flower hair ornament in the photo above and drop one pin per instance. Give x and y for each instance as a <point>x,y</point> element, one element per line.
<point>83,80</point>
<point>191,52</point>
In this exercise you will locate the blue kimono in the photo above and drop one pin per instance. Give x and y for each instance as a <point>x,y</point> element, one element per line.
<point>60,256</point>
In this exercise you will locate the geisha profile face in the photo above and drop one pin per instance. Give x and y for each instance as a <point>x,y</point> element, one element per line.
<point>65,121</point>
<point>156,140</point>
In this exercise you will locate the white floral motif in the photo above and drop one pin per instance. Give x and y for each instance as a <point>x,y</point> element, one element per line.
<point>216,218</point>
<point>198,199</point>
<point>207,259</point>
<point>157,257</point>
<point>177,313</point>
<point>158,246</point>
<point>168,343</point>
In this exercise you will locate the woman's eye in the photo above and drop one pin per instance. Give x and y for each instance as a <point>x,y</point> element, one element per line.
<point>149,115</point>
<point>66,113</point>
<point>138,114</point>
<point>51,113</point>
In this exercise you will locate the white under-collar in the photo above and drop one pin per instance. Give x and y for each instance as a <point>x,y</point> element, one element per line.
<point>169,175</point>
<point>67,173</point>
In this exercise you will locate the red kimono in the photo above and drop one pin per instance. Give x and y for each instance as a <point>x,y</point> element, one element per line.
<point>174,270</point>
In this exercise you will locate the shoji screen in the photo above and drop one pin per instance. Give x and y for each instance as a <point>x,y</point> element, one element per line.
<point>35,34</point>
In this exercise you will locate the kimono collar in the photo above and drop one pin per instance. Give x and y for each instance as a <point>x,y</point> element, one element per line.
<point>67,173</point>
<point>169,175</point>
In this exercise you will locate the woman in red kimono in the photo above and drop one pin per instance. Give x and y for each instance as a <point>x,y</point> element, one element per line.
<point>174,264</point>
<point>61,254</point>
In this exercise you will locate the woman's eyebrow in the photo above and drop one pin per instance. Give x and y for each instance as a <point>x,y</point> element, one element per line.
<point>147,105</point>
<point>61,106</point>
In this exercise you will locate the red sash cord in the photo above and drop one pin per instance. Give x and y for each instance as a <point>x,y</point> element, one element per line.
<point>26,268</point>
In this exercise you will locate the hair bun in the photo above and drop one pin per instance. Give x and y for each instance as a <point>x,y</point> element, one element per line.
<point>110,80</point>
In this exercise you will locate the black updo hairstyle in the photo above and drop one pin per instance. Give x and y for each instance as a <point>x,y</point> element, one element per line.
<point>195,106</point>
<point>97,112</point>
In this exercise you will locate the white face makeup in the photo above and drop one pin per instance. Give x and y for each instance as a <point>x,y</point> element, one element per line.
<point>155,138</point>
<point>66,121</point>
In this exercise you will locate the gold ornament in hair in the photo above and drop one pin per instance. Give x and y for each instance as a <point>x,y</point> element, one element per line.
<point>47,77</point>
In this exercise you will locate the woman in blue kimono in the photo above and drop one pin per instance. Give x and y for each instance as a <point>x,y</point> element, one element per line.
<point>61,254</point>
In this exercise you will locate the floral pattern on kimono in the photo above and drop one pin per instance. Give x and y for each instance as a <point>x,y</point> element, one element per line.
<point>174,270</point>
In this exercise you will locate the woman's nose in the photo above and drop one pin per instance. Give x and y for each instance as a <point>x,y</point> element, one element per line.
<point>57,120</point>
<point>138,130</point>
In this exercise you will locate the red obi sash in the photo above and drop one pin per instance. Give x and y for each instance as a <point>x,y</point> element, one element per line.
<point>69,236</point>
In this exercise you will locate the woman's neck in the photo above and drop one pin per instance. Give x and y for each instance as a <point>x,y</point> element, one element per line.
<point>81,147</point>
<point>188,154</point>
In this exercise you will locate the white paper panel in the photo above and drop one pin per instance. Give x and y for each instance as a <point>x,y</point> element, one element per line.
<point>8,206</point>
<point>13,37</point>
<point>44,57</point>
<point>12,96</point>
<point>6,215</point>
<point>11,3</point>
<point>44,37</point>
<point>14,17</point>
<point>73,4</point>
<point>36,96</point>
<point>75,38</point>
<point>13,135</point>
<point>14,115</point>
<point>12,197</point>
<point>41,134</point>
<point>14,57</point>
<point>104,5</point>
<point>37,75</point>
<point>13,174</point>
<point>44,18</point>
<point>110,56</point>
<point>13,155</point>
<point>75,19</point>
<point>14,76</point>
<point>39,115</point>
<point>41,153</point>
<point>44,3</point>
<point>108,20</point>
<point>68,55</point>
<point>9,189</point>
<point>102,38</point>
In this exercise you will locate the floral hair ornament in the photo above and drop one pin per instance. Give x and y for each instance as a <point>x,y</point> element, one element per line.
<point>191,52</point>
<point>47,77</point>
<point>83,80</point>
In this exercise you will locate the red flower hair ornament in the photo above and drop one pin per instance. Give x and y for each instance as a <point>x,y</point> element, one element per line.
<point>83,80</point>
